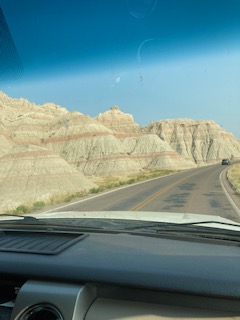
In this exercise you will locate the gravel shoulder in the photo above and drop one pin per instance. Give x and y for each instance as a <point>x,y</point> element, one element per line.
<point>230,189</point>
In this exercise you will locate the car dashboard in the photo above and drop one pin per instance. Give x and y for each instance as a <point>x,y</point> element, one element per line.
<point>103,275</point>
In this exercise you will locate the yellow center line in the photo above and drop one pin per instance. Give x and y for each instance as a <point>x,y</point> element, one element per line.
<point>141,204</point>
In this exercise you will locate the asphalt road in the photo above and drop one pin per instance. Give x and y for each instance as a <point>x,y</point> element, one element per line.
<point>193,191</point>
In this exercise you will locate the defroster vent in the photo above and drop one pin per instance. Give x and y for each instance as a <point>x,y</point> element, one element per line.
<point>37,242</point>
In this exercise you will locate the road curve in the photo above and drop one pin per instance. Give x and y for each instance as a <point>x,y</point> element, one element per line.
<point>193,191</point>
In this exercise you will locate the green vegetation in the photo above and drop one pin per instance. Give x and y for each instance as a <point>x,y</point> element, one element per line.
<point>110,182</point>
<point>104,183</point>
<point>72,196</point>
<point>24,209</point>
<point>21,210</point>
<point>233,175</point>
<point>38,205</point>
<point>69,198</point>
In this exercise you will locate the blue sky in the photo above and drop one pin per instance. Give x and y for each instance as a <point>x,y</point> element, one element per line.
<point>154,59</point>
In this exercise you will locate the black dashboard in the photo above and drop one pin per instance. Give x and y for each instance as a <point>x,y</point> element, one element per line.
<point>119,276</point>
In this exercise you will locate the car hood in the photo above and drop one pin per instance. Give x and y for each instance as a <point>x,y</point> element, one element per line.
<point>165,217</point>
<point>150,216</point>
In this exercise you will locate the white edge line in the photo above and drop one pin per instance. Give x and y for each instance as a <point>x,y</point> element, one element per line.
<point>228,196</point>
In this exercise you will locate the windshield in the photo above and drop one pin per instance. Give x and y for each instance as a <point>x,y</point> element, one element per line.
<point>114,108</point>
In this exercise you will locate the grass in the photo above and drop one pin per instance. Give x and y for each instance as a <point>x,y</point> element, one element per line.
<point>38,205</point>
<point>22,209</point>
<point>233,175</point>
<point>104,184</point>
<point>110,182</point>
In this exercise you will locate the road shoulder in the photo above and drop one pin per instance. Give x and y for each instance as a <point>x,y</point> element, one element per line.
<point>230,192</point>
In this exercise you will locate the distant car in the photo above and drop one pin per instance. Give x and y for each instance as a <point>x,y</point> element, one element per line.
<point>225,162</point>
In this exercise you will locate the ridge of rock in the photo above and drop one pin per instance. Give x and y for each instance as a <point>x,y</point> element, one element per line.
<point>202,141</point>
<point>118,121</point>
<point>17,105</point>
<point>30,173</point>
<point>148,150</point>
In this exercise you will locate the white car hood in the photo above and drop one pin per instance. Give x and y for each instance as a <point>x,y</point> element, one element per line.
<point>166,217</point>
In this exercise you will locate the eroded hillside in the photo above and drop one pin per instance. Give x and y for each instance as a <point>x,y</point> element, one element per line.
<point>203,141</point>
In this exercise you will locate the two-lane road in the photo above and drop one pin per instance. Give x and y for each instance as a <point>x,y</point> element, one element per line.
<point>193,191</point>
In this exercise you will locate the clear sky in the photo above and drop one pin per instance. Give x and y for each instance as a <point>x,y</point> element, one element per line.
<point>154,59</point>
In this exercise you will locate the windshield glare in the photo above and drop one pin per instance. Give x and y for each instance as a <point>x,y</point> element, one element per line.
<point>120,110</point>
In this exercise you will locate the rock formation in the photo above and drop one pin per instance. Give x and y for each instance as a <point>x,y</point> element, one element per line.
<point>202,141</point>
<point>151,152</point>
<point>118,121</point>
<point>89,146</point>
<point>23,122</point>
<point>30,173</point>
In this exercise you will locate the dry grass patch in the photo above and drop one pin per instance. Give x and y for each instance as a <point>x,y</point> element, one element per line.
<point>233,175</point>
<point>110,182</point>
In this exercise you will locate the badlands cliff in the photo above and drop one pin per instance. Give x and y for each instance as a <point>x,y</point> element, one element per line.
<point>30,173</point>
<point>118,121</point>
<point>46,150</point>
<point>202,141</point>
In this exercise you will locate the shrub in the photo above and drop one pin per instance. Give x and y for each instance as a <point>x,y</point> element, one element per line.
<point>22,209</point>
<point>38,205</point>
<point>69,198</point>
